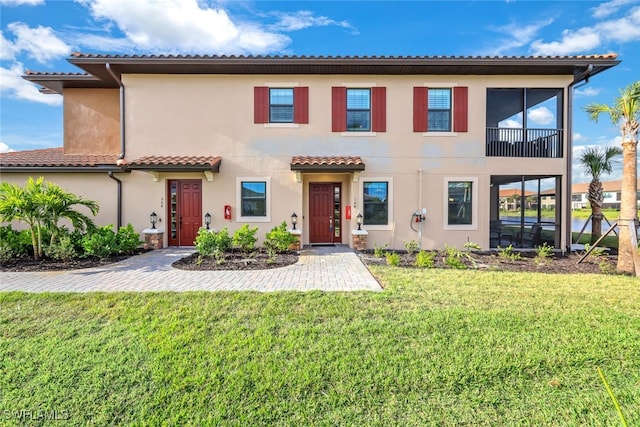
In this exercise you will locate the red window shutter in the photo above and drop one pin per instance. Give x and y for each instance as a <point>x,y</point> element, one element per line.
<point>379,109</point>
<point>301,104</point>
<point>338,109</point>
<point>460,108</point>
<point>420,113</point>
<point>261,104</point>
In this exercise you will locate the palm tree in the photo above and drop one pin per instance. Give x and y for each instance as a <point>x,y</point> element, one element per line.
<point>18,204</point>
<point>597,162</point>
<point>58,204</point>
<point>625,112</point>
<point>42,205</point>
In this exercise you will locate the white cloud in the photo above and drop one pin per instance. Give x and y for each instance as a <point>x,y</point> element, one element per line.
<point>588,91</point>
<point>609,8</point>
<point>4,148</point>
<point>21,2</point>
<point>7,49</point>
<point>13,85</point>
<point>586,39</point>
<point>510,123</point>
<point>184,26</point>
<point>540,116</point>
<point>304,19</point>
<point>518,35</point>
<point>577,137</point>
<point>39,43</point>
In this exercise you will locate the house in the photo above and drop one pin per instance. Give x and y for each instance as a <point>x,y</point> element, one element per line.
<point>253,140</point>
<point>612,195</point>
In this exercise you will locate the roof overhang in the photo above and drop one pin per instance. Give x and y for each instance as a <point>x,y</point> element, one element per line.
<point>98,75</point>
<point>326,164</point>
<point>176,164</point>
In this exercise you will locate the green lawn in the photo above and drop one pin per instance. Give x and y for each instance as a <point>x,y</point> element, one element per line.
<point>437,347</point>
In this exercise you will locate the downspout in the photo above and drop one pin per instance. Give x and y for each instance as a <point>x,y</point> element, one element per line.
<point>121,161</point>
<point>118,197</point>
<point>567,204</point>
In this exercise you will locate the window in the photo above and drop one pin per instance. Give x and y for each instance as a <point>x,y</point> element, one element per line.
<point>281,105</point>
<point>375,203</point>
<point>253,199</point>
<point>358,110</point>
<point>461,203</point>
<point>439,110</point>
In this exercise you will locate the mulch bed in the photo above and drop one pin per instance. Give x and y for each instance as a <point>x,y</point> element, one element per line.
<point>558,263</point>
<point>237,260</point>
<point>260,260</point>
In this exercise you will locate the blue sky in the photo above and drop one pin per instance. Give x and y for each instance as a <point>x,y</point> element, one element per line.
<point>39,35</point>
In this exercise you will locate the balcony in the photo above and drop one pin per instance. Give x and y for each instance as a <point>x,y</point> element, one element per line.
<point>519,142</point>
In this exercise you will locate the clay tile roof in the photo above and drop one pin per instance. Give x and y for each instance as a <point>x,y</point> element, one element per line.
<point>177,163</point>
<point>54,158</point>
<point>326,163</point>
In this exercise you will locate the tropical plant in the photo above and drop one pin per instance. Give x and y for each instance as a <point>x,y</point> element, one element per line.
<point>597,161</point>
<point>393,259</point>
<point>425,259</point>
<point>625,112</point>
<point>42,205</point>
<point>411,246</point>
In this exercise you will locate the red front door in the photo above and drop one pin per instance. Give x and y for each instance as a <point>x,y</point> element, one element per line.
<point>324,213</point>
<point>185,211</point>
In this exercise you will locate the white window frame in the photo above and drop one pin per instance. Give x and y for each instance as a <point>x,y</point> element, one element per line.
<point>474,203</point>
<point>389,181</point>
<point>239,181</point>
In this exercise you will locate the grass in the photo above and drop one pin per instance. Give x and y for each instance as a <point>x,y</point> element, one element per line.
<point>611,214</point>
<point>436,347</point>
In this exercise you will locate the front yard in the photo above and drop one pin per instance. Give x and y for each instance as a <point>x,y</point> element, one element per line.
<point>437,346</point>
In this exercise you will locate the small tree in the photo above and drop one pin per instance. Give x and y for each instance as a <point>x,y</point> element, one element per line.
<point>41,205</point>
<point>625,112</point>
<point>597,162</point>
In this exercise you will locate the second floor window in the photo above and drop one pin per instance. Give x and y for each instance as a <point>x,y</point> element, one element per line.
<point>358,110</point>
<point>439,110</point>
<point>281,105</point>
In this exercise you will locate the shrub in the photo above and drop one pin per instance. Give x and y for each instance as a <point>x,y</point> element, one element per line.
<point>62,249</point>
<point>6,252</point>
<point>453,258</point>
<point>128,240</point>
<point>411,246</point>
<point>543,253</point>
<point>508,253</point>
<point>18,241</point>
<point>393,259</point>
<point>425,259</point>
<point>210,243</point>
<point>101,242</point>
<point>279,239</point>
<point>245,238</point>
<point>378,251</point>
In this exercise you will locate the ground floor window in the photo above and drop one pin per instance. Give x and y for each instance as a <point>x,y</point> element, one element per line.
<point>461,203</point>
<point>254,199</point>
<point>376,197</point>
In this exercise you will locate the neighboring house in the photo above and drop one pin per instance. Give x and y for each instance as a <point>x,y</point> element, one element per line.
<point>510,199</point>
<point>326,138</point>
<point>612,193</point>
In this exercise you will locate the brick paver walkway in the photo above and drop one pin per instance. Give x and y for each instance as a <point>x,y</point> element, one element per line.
<point>324,269</point>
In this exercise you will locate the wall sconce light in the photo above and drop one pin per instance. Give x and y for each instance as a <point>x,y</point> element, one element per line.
<point>359,221</point>
<point>207,219</point>
<point>294,220</point>
<point>153,218</point>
